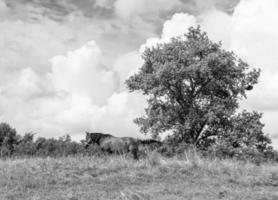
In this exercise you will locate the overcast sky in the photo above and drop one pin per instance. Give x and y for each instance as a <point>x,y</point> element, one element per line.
<point>63,62</point>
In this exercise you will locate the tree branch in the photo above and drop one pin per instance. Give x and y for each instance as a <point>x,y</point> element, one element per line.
<point>200,131</point>
<point>202,87</point>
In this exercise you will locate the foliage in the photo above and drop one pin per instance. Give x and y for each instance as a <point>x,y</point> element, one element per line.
<point>12,144</point>
<point>64,146</point>
<point>242,138</point>
<point>193,88</point>
<point>8,138</point>
<point>243,131</point>
<point>25,146</point>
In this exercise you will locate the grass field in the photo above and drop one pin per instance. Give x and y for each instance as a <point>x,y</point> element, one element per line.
<point>117,177</point>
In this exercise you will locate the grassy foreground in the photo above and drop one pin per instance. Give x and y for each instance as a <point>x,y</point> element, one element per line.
<point>90,178</point>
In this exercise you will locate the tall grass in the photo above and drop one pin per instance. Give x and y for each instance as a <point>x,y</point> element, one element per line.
<point>120,177</point>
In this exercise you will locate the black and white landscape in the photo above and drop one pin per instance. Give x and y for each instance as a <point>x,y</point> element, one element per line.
<point>138,99</point>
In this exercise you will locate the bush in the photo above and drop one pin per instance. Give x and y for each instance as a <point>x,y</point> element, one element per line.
<point>25,146</point>
<point>43,147</point>
<point>61,147</point>
<point>243,154</point>
<point>8,139</point>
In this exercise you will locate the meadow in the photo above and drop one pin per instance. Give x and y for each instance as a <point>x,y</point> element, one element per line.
<point>122,178</point>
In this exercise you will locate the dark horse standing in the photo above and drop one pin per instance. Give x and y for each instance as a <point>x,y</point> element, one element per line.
<point>111,144</point>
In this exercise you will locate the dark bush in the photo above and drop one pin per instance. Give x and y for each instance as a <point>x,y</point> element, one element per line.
<point>25,146</point>
<point>8,139</point>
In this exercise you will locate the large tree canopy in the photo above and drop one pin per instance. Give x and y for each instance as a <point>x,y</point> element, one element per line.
<point>193,87</point>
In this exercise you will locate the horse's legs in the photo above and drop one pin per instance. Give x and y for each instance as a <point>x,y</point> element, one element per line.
<point>133,149</point>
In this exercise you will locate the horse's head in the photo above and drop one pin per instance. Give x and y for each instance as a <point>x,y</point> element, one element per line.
<point>95,138</point>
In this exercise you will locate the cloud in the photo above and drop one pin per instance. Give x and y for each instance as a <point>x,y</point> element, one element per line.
<point>130,8</point>
<point>126,65</point>
<point>176,26</point>
<point>150,10</point>
<point>4,10</point>
<point>226,6</point>
<point>32,44</point>
<point>78,94</point>
<point>218,26</point>
<point>82,72</point>
<point>92,101</point>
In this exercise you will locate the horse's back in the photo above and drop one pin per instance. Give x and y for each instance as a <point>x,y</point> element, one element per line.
<point>115,145</point>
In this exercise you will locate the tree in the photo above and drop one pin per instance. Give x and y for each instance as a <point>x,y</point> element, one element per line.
<point>8,139</point>
<point>26,145</point>
<point>193,87</point>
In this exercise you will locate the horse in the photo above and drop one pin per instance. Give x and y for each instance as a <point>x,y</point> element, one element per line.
<point>111,144</point>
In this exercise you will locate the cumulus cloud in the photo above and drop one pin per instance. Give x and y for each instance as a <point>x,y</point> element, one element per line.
<point>126,65</point>
<point>82,72</point>
<point>92,101</point>
<point>77,95</point>
<point>218,25</point>
<point>176,26</point>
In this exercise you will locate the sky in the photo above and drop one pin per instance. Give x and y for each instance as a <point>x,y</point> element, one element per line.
<point>63,63</point>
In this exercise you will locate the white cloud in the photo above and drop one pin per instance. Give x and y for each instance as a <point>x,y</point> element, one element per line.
<point>176,26</point>
<point>255,34</point>
<point>82,72</point>
<point>126,65</point>
<point>218,26</point>
<point>92,101</point>
<point>78,94</point>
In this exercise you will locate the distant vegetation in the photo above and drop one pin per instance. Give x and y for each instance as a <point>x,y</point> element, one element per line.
<point>17,146</point>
